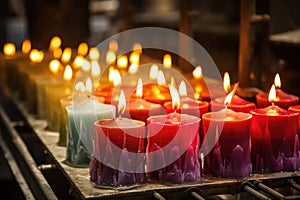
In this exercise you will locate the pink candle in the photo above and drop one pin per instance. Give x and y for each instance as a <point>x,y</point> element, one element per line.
<point>230,156</point>
<point>237,104</point>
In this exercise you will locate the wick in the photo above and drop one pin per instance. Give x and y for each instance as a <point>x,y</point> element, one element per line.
<point>272,103</point>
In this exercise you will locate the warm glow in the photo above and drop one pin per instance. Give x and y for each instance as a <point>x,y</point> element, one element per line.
<point>83,49</point>
<point>172,82</point>
<point>68,73</point>
<point>57,53</point>
<point>167,61</point>
<point>26,46</point>
<point>137,47</point>
<point>182,89</point>
<point>111,74</point>
<point>96,70</point>
<point>139,89</point>
<point>133,68</point>
<point>110,57</point>
<point>78,61</point>
<point>113,46</point>
<point>54,66</point>
<point>86,65</point>
<point>175,97</point>
<point>94,53</point>
<point>153,72</point>
<point>36,55</point>
<point>272,94</point>
<point>9,49</point>
<point>226,83</point>
<point>122,62</point>
<point>134,57</point>
<point>80,87</point>
<point>277,81</point>
<point>229,97</point>
<point>161,78</point>
<point>88,85</point>
<point>66,55</point>
<point>116,78</point>
<point>54,43</point>
<point>122,104</point>
<point>197,73</point>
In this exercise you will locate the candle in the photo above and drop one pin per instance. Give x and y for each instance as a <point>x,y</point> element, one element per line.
<point>229,134</point>
<point>283,100</point>
<point>188,105</point>
<point>140,109</point>
<point>173,146</point>
<point>81,119</point>
<point>296,109</point>
<point>275,142</point>
<point>118,158</point>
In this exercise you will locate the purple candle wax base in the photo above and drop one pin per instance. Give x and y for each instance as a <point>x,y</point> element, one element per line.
<point>239,165</point>
<point>186,168</point>
<point>265,161</point>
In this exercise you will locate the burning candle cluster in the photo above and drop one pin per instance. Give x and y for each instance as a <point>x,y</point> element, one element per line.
<point>130,122</point>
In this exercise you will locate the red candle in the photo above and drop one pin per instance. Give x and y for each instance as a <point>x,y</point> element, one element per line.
<point>296,109</point>
<point>228,134</point>
<point>275,143</point>
<point>173,148</point>
<point>118,157</point>
<point>237,104</point>
<point>140,109</point>
<point>283,100</point>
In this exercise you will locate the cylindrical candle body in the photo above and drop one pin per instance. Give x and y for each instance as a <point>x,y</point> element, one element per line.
<point>173,148</point>
<point>275,143</point>
<point>237,104</point>
<point>81,119</point>
<point>118,158</point>
<point>296,109</point>
<point>229,132</point>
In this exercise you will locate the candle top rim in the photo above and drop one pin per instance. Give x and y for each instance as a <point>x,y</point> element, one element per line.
<point>172,119</point>
<point>272,110</point>
<point>280,94</point>
<point>90,105</point>
<point>119,123</point>
<point>236,101</point>
<point>195,103</point>
<point>294,108</point>
<point>227,115</point>
<point>133,104</point>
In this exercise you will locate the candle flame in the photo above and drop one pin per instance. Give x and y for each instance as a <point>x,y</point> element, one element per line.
<point>55,43</point>
<point>80,87</point>
<point>94,53</point>
<point>139,89</point>
<point>83,49</point>
<point>111,73</point>
<point>175,97</point>
<point>134,57</point>
<point>230,96</point>
<point>122,104</point>
<point>167,61</point>
<point>26,46</point>
<point>110,57</point>
<point>182,89</point>
<point>57,53</point>
<point>122,62</point>
<point>78,61</point>
<point>96,70</point>
<point>9,49</point>
<point>113,46</point>
<point>161,78</point>
<point>172,82</point>
<point>68,73</point>
<point>272,94</point>
<point>137,47</point>
<point>277,81</point>
<point>88,85</point>
<point>197,72</point>
<point>66,55</point>
<point>36,56</point>
<point>153,72</point>
<point>54,66</point>
<point>133,68</point>
<point>226,83</point>
<point>86,65</point>
<point>116,78</point>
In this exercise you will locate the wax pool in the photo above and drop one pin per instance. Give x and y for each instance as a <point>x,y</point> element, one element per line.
<point>227,137</point>
<point>237,104</point>
<point>173,148</point>
<point>118,158</point>
<point>275,143</point>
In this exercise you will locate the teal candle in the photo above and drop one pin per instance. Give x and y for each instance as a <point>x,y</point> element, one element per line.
<point>81,119</point>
